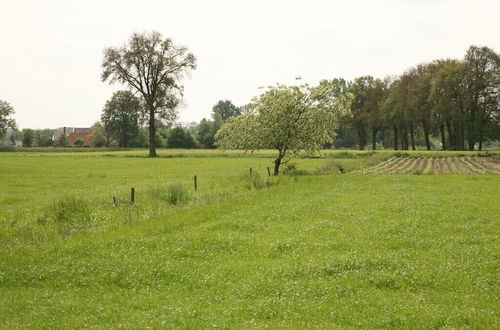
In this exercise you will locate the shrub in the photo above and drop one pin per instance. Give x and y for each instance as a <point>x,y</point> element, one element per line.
<point>255,181</point>
<point>177,194</point>
<point>70,209</point>
<point>292,169</point>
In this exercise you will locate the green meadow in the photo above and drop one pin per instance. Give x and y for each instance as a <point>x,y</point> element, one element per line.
<point>321,246</point>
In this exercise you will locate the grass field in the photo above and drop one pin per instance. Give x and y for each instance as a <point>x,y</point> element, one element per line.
<point>319,250</point>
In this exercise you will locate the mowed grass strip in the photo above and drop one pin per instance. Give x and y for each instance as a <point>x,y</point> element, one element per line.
<point>353,251</point>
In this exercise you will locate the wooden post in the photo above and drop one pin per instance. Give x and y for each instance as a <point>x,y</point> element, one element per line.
<point>195,183</point>
<point>268,171</point>
<point>250,171</point>
<point>114,200</point>
<point>132,195</point>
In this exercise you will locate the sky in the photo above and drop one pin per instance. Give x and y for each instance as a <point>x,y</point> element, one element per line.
<point>51,51</point>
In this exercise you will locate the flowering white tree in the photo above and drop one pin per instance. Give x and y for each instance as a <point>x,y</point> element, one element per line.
<point>289,119</point>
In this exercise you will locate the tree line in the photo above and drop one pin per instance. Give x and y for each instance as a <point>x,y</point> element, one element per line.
<point>448,104</point>
<point>455,102</point>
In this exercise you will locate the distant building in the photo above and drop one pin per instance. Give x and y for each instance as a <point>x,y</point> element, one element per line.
<point>85,137</point>
<point>73,134</point>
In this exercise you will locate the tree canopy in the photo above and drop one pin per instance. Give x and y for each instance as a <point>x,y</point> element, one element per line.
<point>6,121</point>
<point>153,67</point>
<point>223,110</point>
<point>121,117</point>
<point>179,137</point>
<point>289,119</point>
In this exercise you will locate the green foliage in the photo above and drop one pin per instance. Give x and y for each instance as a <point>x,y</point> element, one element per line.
<point>224,110</point>
<point>79,142</point>
<point>165,63</point>
<point>180,137</point>
<point>6,122</point>
<point>121,117</point>
<point>43,137</point>
<point>255,181</point>
<point>290,120</point>
<point>177,194</point>
<point>293,169</point>
<point>206,133</point>
<point>28,137</point>
<point>100,137</point>
<point>62,141</point>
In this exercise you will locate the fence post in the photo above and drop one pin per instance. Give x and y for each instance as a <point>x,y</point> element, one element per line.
<point>132,195</point>
<point>195,183</point>
<point>250,171</point>
<point>268,171</point>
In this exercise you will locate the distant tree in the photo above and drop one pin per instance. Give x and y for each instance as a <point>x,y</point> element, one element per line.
<point>153,67</point>
<point>100,138</point>
<point>14,135</point>
<point>6,122</point>
<point>483,98</point>
<point>206,133</point>
<point>189,140</point>
<point>223,110</point>
<point>121,117</point>
<point>62,141</point>
<point>78,142</point>
<point>43,137</point>
<point>28,137</point>
<point>372,109</point>
<point>449,102</point>
<point>360,89</point>
<point>180,137</point>
<point>289,119</point>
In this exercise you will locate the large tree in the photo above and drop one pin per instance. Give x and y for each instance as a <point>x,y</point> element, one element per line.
<point>121,117</point>
<point>360,88</point>
<point>206,133</point>
<point>179,137</point>
<point>289,119</point>
<point>224,110</point>
<point>483,97</point>
<point>6,121</point>
<point>153,67</point>
<point>28,137</point>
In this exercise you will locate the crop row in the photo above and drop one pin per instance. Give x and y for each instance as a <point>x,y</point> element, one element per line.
<point>448,165</point>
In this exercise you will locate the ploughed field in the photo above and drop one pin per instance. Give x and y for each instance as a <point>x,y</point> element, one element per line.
<point>313,248</point>
<point>441,165</point>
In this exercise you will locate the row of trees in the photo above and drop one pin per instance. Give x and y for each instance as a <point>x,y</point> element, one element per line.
<point>456,102</point>
<point>123,125</point>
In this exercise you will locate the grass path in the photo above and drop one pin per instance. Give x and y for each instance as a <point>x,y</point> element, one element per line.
<point>327,251</point>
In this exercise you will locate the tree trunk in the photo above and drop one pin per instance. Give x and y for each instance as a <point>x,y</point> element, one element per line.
<point>152,134</point>
<point>481,138</point>
<point>412,136</point>
<point>277,163</point>
<point>471,137</point>
<point>443,138</point>
<point>404,138</point>
<point>452,138</point>
<point>374,138</point>
<point>396,142</point>
<point>361,138</point>
<point>461,135</point>
<point>426,135</point>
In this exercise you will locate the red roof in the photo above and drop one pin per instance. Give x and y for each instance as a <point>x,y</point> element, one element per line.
<point>85,137</point>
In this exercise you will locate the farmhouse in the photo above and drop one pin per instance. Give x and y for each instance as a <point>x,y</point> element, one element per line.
<point>74,134</point>
<point>85,137</point>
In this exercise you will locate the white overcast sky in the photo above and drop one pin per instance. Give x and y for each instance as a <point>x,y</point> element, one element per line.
<point>51,51</point>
